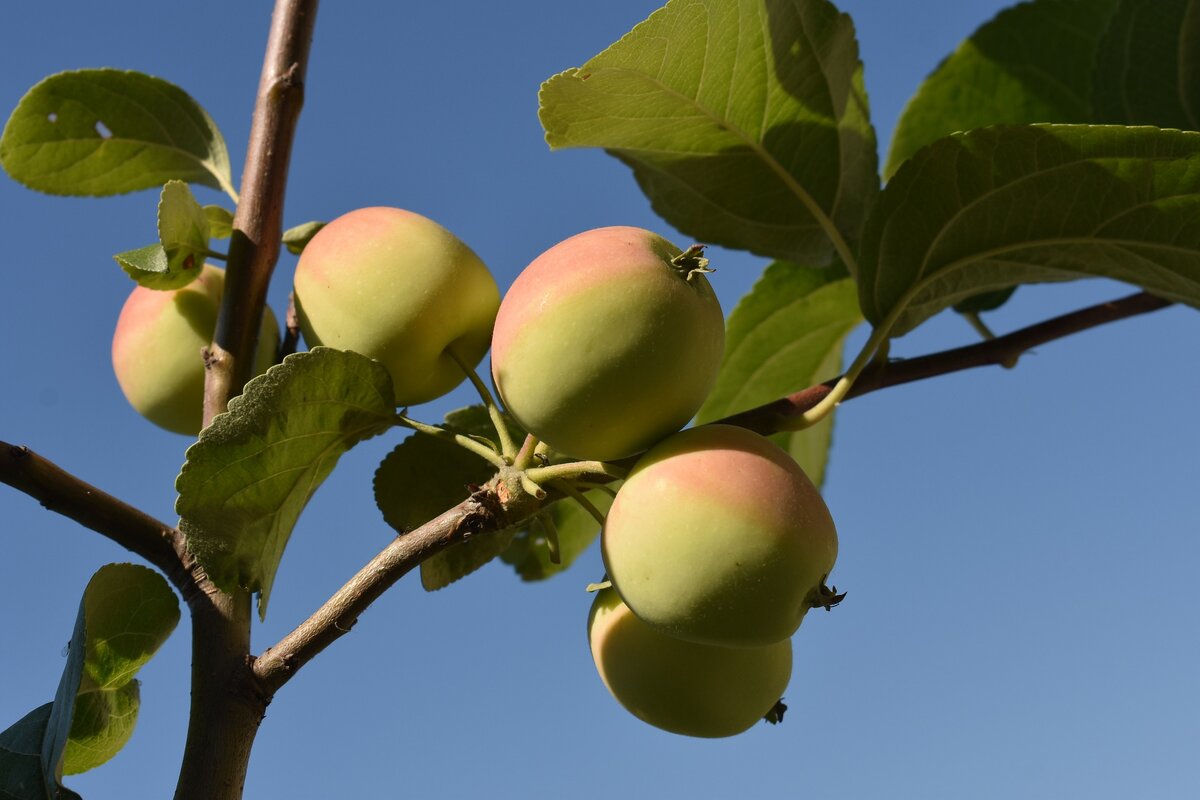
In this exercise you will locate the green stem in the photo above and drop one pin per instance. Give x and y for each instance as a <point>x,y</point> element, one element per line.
<point>216,255</point>
<point>478,448</point>
<point>508,448</point>
<point>822,409</point>
<point>573,470</point>
<point>529,450</point>
<point>579,497</point>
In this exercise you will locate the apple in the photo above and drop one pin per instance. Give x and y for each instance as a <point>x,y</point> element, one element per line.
<point>156,349</point>
<point>684,687</point>
<point>397,287</point>
<point>607,342</point>
<point>717,536</point>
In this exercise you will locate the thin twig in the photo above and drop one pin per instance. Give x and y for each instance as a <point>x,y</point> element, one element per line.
<point>778,415</point>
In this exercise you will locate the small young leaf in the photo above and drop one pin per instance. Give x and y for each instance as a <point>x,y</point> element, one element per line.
<point>220,222</point>
<point>255,467</point>
<point>1032,63</point>
<point>99,132</point>
<point>294,239</point>
<point>783,336</point>
<point>149,267</point>
<point>182,230</point>
<point>998,207</point>
<point>529,554</point>
<point>1148,65</point>
<point>745,121</point>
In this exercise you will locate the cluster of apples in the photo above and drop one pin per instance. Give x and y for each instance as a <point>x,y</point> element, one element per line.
<point>605,346</point>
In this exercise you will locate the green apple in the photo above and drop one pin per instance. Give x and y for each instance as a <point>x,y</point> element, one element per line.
<point>156,349</point>
<point>397,287</point>
<point>684,687</point>
<point>607,342</point>
<point>717,536</point>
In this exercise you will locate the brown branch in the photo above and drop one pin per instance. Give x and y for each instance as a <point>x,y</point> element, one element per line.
<point>63,493</point>
<point>258,223</point>
<point>485,513</point>
<point>227,702</point>
<point>779,415</point>
<point>479,514</point>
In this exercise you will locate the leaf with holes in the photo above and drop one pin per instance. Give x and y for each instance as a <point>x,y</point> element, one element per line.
<point>1032,63</point>
<point>785,335</point>
<point>998,207</point>
<point>97,132</point>
<point>255,467</point>
<point>1148,67</point>
<point>745,121</point>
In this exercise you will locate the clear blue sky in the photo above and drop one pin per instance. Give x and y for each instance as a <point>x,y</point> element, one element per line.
<point>1020,547</point>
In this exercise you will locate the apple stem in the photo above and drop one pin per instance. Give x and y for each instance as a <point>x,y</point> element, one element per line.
<point>528,452</point>
<point>550,531</point>
<point>508,447</point>
<point>575,469</point>
<point>479,448</point>
<point>569,489</point>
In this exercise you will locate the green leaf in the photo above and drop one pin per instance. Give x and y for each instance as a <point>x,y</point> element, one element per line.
<point>102,724</point>
<point>529,554</point>
<point>130,611</point>
<point>785,335</point>
<point>255,467</point>
<point>1032,63</point>
<point>294,239</point>
<point>745,121</point>
<point>425,476</point>
<point>127,612</point>
<point>99,132</point>
<point>220,222</point>
<point>148,266</point>
<point>22,775</point>
<point>998,207</point>
<point>182,230</point>
<point>1148,69</point>
<point>988,301</point>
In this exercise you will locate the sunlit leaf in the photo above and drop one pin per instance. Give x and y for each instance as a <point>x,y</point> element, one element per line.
<point>294,239</point>
<point>104,131</point>
<point>220,222</point>
<point>255,467</point>
<point>745,121</point>
<point>182,229</point>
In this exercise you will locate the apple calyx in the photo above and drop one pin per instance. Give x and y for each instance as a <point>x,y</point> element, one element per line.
<point>691,263</point>
<point>827,596</point>
<point>775,715</point>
